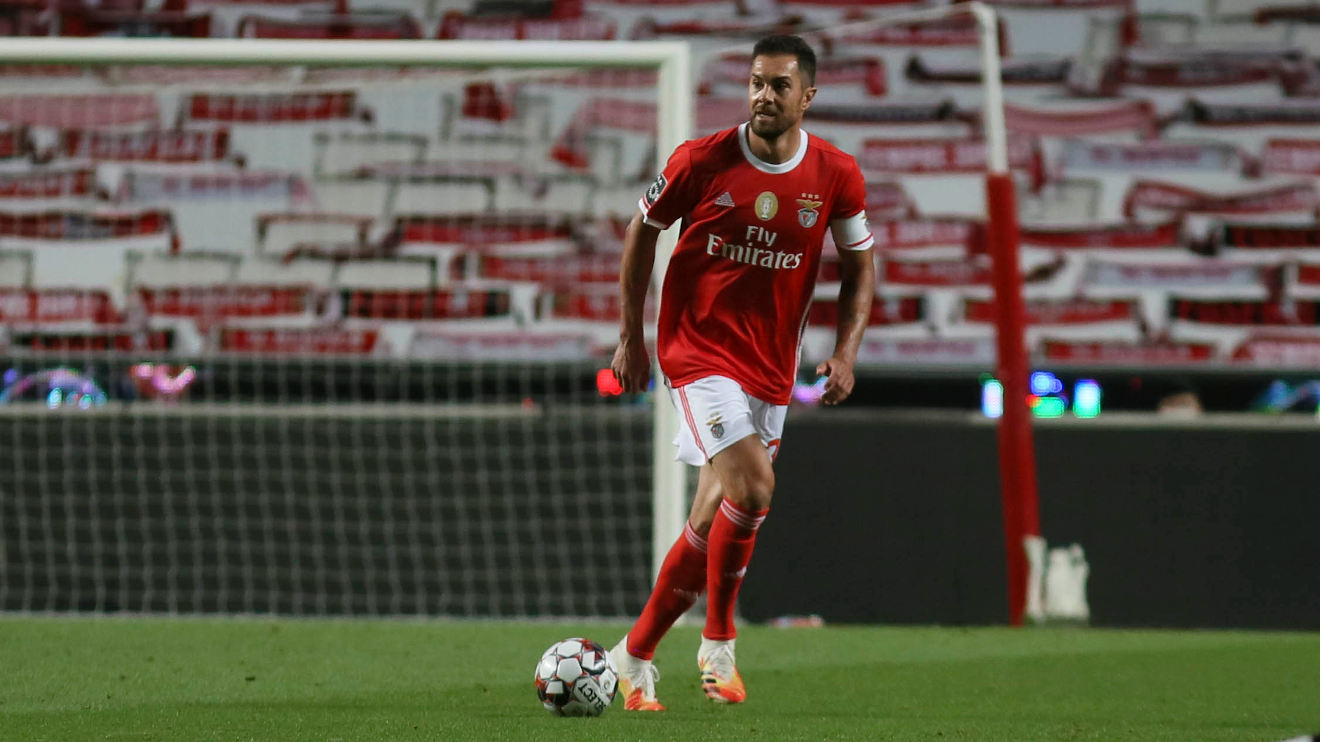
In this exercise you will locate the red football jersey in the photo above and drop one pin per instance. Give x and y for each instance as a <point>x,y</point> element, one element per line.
<point>735,297</point>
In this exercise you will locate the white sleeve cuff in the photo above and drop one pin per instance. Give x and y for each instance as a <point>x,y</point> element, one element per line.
<point>641,204</point>
<point>852,233</point>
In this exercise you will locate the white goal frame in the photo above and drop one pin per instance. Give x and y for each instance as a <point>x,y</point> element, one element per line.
<point>670,59</point>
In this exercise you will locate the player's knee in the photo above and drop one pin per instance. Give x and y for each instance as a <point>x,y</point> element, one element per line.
<point>700,524</point>
<point>754,490</point>
<point>761,491</point>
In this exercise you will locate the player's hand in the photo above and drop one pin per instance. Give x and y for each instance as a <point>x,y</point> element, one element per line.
<point>632,366</point>
<point>839,380</point>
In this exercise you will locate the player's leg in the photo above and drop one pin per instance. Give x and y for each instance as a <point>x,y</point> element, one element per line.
<point>705,503</point>
<point>715,658</point>
<point>748,481</point>
<point>681,580</point>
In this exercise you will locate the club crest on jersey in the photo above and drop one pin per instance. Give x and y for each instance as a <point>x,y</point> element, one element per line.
<point>766,206</point>
<point>807,214</point>
<point>657,187</point>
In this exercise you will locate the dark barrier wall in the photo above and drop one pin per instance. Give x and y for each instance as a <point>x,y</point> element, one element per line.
<point>879,517</point>
<point>896,518</point>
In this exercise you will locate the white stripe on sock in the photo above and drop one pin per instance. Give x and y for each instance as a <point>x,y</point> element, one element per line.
<point>740,517</point>
<point>694,538</point>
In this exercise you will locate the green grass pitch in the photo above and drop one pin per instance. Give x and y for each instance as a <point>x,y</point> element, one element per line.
<point>289,680</point>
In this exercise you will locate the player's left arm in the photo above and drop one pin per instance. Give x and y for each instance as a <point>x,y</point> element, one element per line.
<point>853,240</point>
<point>856,289</point>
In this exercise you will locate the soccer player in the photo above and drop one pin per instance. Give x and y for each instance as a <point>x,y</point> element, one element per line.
<point>755,201</point>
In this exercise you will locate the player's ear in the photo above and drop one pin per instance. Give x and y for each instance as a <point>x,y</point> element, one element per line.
<point>807,95</point>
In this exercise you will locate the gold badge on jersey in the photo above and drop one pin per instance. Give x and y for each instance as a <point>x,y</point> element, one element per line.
<point>766,206</point>
<point>807,214</point>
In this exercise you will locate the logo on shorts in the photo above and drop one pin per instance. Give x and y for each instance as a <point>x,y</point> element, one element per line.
<point>657,187</point>
<point>716,424</point>
<point>807,214</point>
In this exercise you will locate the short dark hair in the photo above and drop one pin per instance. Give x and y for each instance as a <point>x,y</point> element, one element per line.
<point>782,44</point>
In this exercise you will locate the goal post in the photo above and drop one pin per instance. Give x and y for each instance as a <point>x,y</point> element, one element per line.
<point>673,124</point>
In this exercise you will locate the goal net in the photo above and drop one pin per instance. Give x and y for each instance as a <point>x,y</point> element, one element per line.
<point>315,327</point>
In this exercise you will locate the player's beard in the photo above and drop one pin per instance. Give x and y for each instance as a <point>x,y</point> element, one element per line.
<point>769,129</point>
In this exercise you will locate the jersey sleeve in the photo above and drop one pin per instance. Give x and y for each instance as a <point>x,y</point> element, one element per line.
<point>848,225</point>
<point>670,196</point>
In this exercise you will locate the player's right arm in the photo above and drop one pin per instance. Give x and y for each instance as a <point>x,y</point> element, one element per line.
<point>632,364</point>
<point>668,199</point>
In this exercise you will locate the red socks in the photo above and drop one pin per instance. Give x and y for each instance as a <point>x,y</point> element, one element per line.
<point>732,538</point>
<point>682,578</point>
<point>691,566</point>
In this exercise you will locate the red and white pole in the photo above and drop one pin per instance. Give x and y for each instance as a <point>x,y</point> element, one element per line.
<point>1017,453</point>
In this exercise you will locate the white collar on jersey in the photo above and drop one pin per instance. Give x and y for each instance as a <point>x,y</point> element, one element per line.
<point>768,167</point>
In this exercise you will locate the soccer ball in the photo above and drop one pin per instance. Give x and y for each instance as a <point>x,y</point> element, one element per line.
<point>576,677</point>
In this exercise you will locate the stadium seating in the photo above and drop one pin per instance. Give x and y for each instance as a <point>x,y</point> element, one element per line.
<point>1165,154</point>
<point>15,269</point>
<point>344,153</point>
<point>75,20</point>
<point>289,233</point>
<point>199,305</point>
<point>226,15</point>
<point>459,25</point>
<point>374,25</point>
<point>24,18</point>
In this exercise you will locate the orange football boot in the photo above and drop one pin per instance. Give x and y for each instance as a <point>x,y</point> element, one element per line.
<point>719,674</point>
<point>637,679</point>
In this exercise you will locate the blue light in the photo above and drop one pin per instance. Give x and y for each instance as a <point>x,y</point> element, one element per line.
<point>1044,383</point>
<point>54,399</point>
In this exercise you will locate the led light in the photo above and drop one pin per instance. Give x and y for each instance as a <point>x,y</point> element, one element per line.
<point>1045,383</point>
<point>1048,407</point>
<point>606,384</point>
<point>992,398</point>
<point>1086,398</point>
<point>809,394</point>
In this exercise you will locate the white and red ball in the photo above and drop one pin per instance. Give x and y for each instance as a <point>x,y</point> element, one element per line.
<point>576,677</point>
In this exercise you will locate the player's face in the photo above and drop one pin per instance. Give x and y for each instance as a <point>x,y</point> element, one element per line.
<point>777,94</point>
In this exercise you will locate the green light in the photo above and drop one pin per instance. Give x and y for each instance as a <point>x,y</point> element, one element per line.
<point>1048,407</point>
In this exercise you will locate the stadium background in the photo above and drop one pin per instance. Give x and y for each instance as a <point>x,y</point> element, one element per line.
<point>298,342</point>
